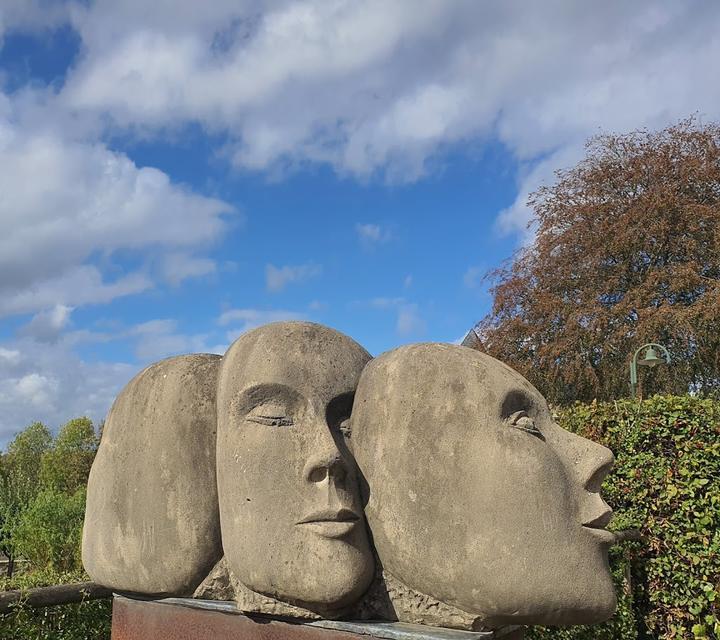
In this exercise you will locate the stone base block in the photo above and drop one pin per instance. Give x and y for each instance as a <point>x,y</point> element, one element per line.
<point>186,619</point>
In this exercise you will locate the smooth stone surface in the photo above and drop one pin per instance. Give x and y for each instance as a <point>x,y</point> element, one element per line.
<point>476,498</point>
<point>246,478</point>
<point>291,518</point>
<point>151,521</point>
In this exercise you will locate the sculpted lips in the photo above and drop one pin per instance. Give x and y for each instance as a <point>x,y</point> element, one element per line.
<point>331,523</point>
<point>601,521</point>
<point>597,525</point>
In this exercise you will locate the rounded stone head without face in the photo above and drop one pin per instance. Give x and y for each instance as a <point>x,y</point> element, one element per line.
<point>151,520</point>
<point>475,496</point>
<point>290,513</point>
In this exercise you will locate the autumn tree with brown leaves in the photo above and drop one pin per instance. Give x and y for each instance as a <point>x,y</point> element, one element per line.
<point>627,251</point>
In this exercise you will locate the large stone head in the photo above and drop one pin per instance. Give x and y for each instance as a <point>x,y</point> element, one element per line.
<point>151,520</point>
<point>290,514</point>
<point>476,497</point>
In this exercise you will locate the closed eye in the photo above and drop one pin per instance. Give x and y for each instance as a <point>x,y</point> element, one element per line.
<point>271,421</point>
<point>521,420</point>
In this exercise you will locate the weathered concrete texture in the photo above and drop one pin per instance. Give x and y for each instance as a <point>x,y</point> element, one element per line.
<point>137,620</point>
<point>151,522</point>
<point>476,498</point>
<point>221,584</point>
<point>292,523</point>
<point>175,619</point>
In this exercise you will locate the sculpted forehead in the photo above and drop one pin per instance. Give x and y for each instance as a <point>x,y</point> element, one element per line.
<point>314,360</point>
<point>436,378</point>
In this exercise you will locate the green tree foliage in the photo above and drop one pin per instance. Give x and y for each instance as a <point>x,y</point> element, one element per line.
<point>42,484</point>
<point>50,530</point>
<point>627,251</point>
<point>666,482</point>
<point>42,506</point>
<point>66,466</point>
<point>20,482</point>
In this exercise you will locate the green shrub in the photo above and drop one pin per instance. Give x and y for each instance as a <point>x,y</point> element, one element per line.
<point>66,465</point>
<point>50,530</point>
<point>83,621</point>
<point>666,482</point>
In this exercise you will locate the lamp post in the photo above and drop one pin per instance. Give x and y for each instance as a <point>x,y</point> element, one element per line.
<point>650,359</point>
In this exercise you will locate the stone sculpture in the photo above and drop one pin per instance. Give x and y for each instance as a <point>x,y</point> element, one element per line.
<point>151,520</point>
<point>477,499</point>
<point>236,478</point>
<point>290,512</point>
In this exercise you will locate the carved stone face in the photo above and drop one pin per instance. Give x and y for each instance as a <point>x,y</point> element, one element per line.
<point>477,497</point>
<point>290,515</point>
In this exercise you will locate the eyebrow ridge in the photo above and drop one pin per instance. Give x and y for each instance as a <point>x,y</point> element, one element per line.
<point>265,391</point>
<point>516,400</point>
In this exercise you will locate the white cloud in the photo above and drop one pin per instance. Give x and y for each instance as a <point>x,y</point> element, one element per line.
<point>177,267</point>
<point>407,282</point>
<point>35,389</point>
<point>317,305</point>
<point>47,325</point>
<point>160,338</point>
<point>377,86</point>
<point>277,278</point>
<point>372,234</point>
<point>242,320</point>
<point>42,377</point>
<point>76,286</point>
<point>9,356</point>
<point>256,316</point>
<point>67,208</point>
<point>47,381</point>
<point>30,15</point>
<point>516,218</point>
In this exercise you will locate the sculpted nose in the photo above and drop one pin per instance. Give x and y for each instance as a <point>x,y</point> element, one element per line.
<point>590,462</point>
<point>318,468</point>
<point>600,461</point>
<point>326,462</point>
<point>593,463</point>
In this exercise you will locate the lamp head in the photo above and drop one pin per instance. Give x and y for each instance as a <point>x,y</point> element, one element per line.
<point>650,358</point>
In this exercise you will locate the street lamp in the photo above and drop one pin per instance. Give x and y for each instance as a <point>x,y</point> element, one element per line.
<point>649,359</point>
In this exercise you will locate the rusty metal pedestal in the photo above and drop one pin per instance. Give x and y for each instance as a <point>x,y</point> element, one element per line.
<point>188,619</point>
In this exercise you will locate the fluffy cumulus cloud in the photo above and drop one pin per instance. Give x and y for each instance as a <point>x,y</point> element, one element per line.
<point>42,377</point>
<point>371,88</point>
<point>372,85</point>
<point>64,202</point>
<point>47,326</point>
<point>49,382</point>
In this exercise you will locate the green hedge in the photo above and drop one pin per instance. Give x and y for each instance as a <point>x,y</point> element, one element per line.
<point>666,482</point>
<point>83,621</point>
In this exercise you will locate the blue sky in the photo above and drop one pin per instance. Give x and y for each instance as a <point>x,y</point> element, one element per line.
<point>173,173</point>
